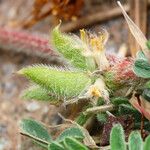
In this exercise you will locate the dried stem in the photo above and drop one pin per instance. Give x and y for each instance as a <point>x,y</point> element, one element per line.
<point>23,41</point>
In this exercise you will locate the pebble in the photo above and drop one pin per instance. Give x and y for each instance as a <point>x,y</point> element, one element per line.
<point>32,106</point>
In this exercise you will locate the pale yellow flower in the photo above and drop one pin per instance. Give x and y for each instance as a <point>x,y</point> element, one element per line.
<point>95,47</point>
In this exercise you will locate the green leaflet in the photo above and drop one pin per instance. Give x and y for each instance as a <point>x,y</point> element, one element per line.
<point>135,141</point>
<point>63,84</point>
<point>73,132</point>
<point>125,109</point>
<point>119,100</point>
<point>117,138</point>
<point>147,143</point>
<point>73,144</point>
<point>36,131</point>
<point>71,48</point>
<point>38,93</point>
<point>142,68</point>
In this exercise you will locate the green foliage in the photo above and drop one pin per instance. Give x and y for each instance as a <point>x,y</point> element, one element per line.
<point>135,141</point>
<point>56,85</point>
<point>100,101</point>
<point>67,140</point>
<point>72,49</point>
<point>147,143</point>
<point>39,93</point>
<point>117,138</point>
<point>126,109</point>
<point>73,144</point>
<point>36,131</point>
<point>64,84</point>
<point>71,132</point>
<point>142,68</point>
<point>119,100</point>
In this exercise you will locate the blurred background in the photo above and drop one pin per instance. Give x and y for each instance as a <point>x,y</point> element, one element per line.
<point>24,40</point>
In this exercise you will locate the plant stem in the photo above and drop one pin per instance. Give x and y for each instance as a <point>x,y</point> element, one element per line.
<point>23,41</point>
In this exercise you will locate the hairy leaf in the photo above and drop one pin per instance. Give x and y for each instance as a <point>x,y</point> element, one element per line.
<point>119,100</point>
<point>125,109</point>
<point>36,131</point>
<point>147,143</point>
<point>71,132</point>
<point>39,93</point>
<point>71,48</point>
<point>73,144</point>
<point>135,141</point>
<point>62,84</point>
<point>117,138</point>
<point>142,68</point>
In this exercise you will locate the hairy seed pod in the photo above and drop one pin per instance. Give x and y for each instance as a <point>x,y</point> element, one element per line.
<point>64,84</point>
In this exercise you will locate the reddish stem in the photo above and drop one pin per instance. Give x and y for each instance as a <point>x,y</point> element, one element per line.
<point>18,40</point>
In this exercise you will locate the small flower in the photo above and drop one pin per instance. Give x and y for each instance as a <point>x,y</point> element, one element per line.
<point>98,89</point>
<point>95,47</point>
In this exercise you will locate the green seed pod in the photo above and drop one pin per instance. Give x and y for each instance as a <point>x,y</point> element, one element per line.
<point>40,94</point>
<point>71,48</point>
<point>61,83</point>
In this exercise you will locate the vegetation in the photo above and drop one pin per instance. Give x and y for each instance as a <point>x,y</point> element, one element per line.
<point>112,91</point>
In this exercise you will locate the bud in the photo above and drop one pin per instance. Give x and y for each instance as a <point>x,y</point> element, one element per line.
<point>120,74</point>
